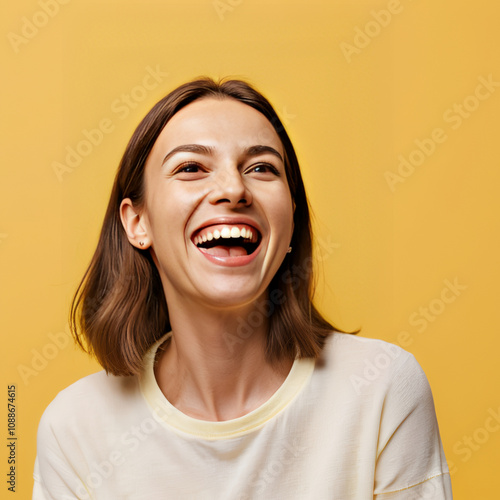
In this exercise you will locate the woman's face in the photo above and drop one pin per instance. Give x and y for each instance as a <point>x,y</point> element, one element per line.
<point>218,212</point>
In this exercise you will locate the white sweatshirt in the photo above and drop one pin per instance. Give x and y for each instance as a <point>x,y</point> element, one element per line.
<point>359,424</point>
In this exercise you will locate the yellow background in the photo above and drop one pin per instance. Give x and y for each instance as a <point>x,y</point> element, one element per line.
<point>385,254</point>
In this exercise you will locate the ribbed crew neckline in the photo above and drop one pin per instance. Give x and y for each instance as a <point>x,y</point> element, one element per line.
<point>173,418</point>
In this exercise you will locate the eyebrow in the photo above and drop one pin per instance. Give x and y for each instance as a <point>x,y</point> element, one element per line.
<point>209,151</point>
<point>257,150</point>
<point>189,148</point>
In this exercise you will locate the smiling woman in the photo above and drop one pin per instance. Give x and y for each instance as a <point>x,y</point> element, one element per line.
<point>221,378</point>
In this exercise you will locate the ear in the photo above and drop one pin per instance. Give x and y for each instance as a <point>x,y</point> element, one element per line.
<point>134,225</point>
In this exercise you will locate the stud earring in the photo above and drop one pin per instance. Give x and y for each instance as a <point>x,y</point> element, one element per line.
<point>289,250</point>
<point>141,243</point>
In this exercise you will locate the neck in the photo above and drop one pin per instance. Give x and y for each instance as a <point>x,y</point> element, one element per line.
<point>214,367</point>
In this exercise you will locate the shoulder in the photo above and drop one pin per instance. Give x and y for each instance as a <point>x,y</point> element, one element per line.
<point>98,387</point>
<point>353,352</point>
<point>370,365</point>
<point>80,403</point>
<point>387,395</point>
<point>81,422</point>
<point>381,383</point>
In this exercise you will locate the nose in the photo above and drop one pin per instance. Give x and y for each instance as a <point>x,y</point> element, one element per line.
<point>229,187</point>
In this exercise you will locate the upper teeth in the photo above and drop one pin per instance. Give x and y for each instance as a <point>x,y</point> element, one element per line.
<point>225,232</point>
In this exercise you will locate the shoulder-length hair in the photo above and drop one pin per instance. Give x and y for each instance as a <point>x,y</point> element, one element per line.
<point>119,309</point>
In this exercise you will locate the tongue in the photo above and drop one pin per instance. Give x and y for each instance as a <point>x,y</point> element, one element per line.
<point>223,251</point>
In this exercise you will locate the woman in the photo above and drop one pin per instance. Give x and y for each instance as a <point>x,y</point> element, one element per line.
<point>221,378</point>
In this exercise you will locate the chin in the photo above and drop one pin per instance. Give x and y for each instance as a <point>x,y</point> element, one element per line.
<point>231,298</point>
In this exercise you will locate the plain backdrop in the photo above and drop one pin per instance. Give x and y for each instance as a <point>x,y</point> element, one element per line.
<point>393,108</point>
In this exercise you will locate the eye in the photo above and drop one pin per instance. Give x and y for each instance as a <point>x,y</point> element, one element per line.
<point>263,168</point>
<point>189,168</point>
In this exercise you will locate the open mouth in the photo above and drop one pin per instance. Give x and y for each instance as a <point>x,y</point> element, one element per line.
<point>225,240</point>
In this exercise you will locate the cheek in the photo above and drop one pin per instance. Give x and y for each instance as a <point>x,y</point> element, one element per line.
<point>168,214</point>
<point>283,216</point>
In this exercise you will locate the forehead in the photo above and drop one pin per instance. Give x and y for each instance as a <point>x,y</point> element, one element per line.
<point>221,123</point>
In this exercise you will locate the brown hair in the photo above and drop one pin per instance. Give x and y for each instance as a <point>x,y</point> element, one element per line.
<point>119,309</point>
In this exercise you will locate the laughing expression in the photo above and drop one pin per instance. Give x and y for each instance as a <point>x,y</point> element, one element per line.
<point>218,214</point>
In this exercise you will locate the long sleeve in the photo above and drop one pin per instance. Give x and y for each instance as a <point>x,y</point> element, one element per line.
<point>410,458</point>
<point>51,466</point>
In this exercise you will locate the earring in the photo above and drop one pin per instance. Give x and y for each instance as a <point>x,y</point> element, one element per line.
<point>289,250</point>
<point>141,243</point>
